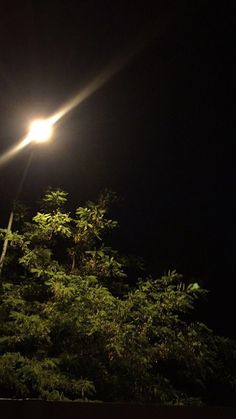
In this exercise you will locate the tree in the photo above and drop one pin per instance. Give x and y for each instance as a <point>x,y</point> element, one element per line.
<point>73,328</point>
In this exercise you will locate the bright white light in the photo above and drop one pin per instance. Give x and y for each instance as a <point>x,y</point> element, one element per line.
<point>40,130</point>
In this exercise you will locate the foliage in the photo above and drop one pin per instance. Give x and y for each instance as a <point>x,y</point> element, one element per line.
<point>73,328</point>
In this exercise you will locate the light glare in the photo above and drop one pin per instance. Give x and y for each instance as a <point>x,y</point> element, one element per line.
<point>40,130</point>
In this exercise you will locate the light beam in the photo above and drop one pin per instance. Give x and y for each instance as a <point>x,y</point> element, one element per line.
<point>4,158</point>
<point>113,68</point>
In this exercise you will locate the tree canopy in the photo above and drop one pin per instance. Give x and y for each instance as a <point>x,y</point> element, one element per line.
<point>74,327</point>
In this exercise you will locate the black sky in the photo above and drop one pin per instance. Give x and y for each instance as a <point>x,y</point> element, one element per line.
<point>160,132</point>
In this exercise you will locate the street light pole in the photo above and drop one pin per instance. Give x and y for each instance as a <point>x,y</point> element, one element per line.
<point>11,217</point>
<point>5,243</point>
<point>40,131</point>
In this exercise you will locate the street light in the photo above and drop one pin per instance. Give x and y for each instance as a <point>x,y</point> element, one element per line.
<point>40,131</point>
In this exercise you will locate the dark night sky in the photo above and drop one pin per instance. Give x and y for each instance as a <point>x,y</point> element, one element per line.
<point>160,132</point>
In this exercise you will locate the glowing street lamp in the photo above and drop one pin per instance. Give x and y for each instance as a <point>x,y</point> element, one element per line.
<point>40,131</point>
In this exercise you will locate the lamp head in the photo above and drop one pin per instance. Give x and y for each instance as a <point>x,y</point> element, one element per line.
<point>40,130</point>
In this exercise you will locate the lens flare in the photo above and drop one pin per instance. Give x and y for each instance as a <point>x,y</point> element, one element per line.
<point>4,158</point>
<point>102,78</point>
